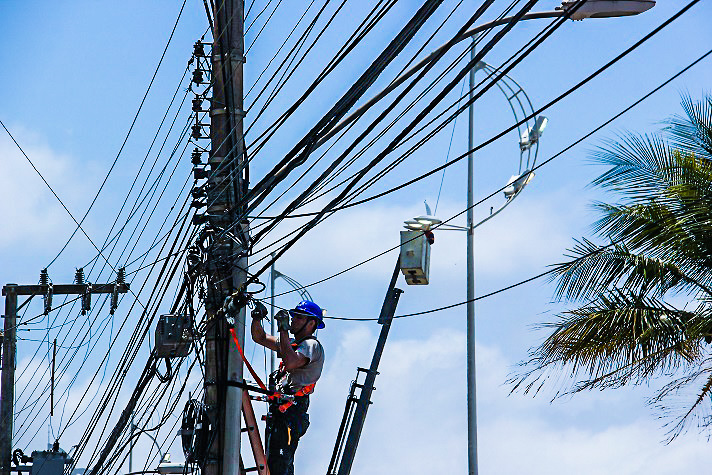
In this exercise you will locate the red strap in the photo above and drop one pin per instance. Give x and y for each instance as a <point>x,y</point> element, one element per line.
<point>308,389</point>
<point>247,363</point>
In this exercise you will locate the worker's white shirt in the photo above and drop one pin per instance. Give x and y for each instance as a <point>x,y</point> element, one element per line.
<point>308,374</point>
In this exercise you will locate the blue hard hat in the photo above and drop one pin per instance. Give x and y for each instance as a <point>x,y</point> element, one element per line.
<point>310,309</point>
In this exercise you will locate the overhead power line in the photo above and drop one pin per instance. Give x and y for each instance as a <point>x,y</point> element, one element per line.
<point>499,135</point>
<point>333,166</point>
<point>334,202</point>
<point>395,143</point>
<point>542,164</point>
<point>123,144</point>
<point>279,50</point>
<point>302,150</point>
<point>368,23</point>
<point>346,130</point>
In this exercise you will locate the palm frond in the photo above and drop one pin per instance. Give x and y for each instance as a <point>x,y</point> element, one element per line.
<point>660,234</point>
<point>634,163</point>
<point>693,132</point>
<point>645,167</point>
<point>673,400</point>
<point>656,231</point>
<point>594,270</point>
<point>616,339</point>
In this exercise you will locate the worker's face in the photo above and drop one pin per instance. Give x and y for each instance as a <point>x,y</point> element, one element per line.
<point>297,322</point>
<point>300,322</point>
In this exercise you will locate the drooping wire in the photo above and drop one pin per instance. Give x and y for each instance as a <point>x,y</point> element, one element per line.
<point>541,165</point>
<point>279,50</point>
<point>128,134</point>
<point>447,155</point>
<point>263,27</point>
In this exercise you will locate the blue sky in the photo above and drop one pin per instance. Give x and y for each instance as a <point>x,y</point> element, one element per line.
<point>75,73</point>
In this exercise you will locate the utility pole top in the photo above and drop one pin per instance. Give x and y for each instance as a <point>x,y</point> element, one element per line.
<point>9,343</point>
<point>65,289</point>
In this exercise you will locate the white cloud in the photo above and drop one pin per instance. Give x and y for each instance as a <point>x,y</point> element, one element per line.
<point>530,234</point>
<point>417,423</point>
<point>528,445</point>
<point>31,214</point>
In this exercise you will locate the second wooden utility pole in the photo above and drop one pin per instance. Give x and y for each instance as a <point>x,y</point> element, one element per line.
<point>227,237</point>
<point>7,383</point>
<point>9,347</point>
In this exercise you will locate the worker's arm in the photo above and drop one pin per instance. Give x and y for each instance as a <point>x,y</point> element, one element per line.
<point>261,337</point>
<point>290,358</point>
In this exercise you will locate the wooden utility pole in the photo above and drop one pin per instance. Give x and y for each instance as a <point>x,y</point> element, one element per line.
<point>227,239</point>
<point>7,383</point>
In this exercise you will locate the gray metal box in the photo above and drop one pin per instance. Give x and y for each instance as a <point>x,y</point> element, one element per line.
<point>415,257</point>
<point>49,463</point>
<point>173,336</point>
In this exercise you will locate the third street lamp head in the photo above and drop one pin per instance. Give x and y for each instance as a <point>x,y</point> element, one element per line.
<point>606,8</point>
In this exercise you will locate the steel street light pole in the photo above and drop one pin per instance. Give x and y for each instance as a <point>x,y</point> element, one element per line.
<point>590,9</point>
<point>471,367</point>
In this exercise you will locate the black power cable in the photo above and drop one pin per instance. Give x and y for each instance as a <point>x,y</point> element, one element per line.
<point>361,31</point>
<point>121,149</point>
<point>279,50</point>
<point>62,371</point>
<point>545,162</point>
<point>302,150</point>
<point>149,216</point>
<point>386,111</point>
<point>328,208</point>
<point>263,27</point>
<point>129,353</point>
<point>496,137</point>
<point>428,40</point>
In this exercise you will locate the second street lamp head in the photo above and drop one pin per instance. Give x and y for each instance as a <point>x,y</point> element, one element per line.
<point>516,183</point>
<point>531,135</point>
<point>422,223</point>
<point>607,8</point>
<point>413,225</point>
<point>428,221</point>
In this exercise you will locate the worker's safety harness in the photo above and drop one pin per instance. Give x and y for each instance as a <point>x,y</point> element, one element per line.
<point>284,401</point>
<point>279,375</point>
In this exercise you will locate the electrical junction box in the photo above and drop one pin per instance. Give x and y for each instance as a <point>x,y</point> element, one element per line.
<point>173,336</point>
<point>49,462</point>
<point>415,257</point>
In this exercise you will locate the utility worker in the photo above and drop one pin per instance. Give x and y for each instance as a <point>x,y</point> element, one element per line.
<point>302,361</point>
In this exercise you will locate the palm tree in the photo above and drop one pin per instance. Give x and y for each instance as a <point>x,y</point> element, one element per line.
<point>626,329</point>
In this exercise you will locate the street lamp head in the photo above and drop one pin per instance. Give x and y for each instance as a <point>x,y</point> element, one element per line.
<point>607,8</point>
<point>428,221</point>
<point>422,223</point>
<point>531,135</point>
<point>413,225</point>
<point>516,183</point>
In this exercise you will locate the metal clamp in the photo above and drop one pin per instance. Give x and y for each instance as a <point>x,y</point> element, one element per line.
<point>223,111</point>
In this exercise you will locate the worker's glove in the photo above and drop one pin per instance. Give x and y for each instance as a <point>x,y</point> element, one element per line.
<point>282,319</point>
<point>259,312</point>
